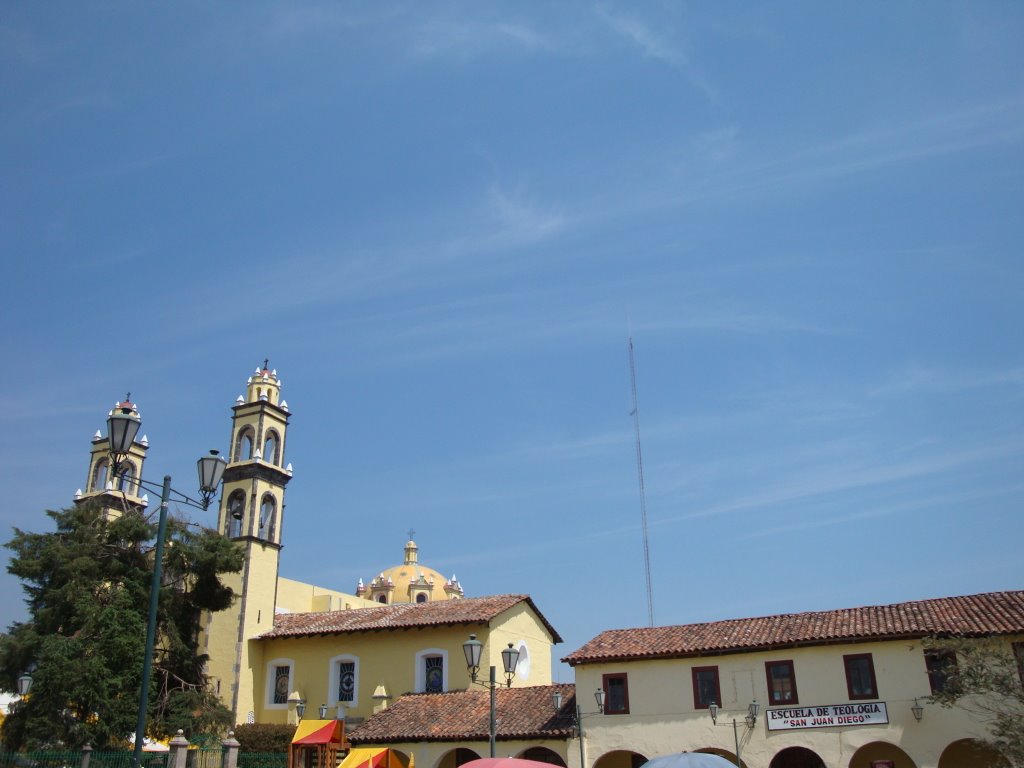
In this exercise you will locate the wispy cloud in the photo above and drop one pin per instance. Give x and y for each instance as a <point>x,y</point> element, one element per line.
<point>464,39</point>
<point>915,379</point>
<point>655,45</point>
<point>823,480</point>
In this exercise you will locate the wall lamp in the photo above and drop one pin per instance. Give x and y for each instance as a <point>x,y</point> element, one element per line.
<point>300,708</point>
<point>917,710</point>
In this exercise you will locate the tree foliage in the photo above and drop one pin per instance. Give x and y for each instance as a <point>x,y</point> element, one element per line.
<point>264,737</point>
<point>986,680</point>
<point>87,589</point>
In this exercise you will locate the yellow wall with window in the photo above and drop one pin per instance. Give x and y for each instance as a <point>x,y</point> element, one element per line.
<point>663,718</point>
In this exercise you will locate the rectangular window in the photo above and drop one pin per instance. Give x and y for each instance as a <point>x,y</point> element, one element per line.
<point>781,682</point>
<point>860,676</point>
<point>616,694</point>
<point>706,690</point>
<point>433,674</point>
<point>346,681</point>
<point>938,663</point>
<point>281,678</point>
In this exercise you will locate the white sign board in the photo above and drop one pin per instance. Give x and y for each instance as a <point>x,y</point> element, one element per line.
<point>829,716</point>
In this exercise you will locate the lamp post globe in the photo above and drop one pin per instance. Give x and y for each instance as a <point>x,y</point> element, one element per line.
<point>24,684</point>
<point>509,661</point>
<point>122,426</point>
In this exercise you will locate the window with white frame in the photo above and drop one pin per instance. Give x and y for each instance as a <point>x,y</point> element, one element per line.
<point>279,682</point>
<point>432,670</point>
<point>344,680</point>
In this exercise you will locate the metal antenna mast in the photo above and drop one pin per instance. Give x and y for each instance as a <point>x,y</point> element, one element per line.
<point>635,413</point>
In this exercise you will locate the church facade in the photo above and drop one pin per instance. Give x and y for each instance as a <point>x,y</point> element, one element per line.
<point>284,642</point>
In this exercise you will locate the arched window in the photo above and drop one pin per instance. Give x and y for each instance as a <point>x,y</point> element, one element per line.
<point>236,511</point>
<point>279,683</point>
<point>432,671</point>
<point>270,448</point>
<point>344,680</point>
<point>243,446</point>
<point>268,511</point>
<point>421,597</point>
<point>383,599</point>
<point>126,480</point>
<point>99,475</point>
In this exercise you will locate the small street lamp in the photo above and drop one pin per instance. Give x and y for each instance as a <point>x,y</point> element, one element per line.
<point>578,715</point>
<point>323,711</point>
<point>24,685</point>
<point>750,720</point>
<point>300,708</point>
<point>473,649</point>
<point>123,425</point>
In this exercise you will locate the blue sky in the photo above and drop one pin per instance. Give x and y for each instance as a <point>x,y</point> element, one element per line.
<point>442,222</point>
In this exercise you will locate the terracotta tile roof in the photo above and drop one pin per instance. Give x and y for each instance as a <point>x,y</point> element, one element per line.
<point>994,613</point>
<point>523,713</point>
<point>471,610</point>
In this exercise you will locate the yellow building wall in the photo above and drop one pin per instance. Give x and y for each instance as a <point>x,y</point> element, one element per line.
<point>390,659</point>
<point>299,597</point>
<point>663,719</point>
<point>519,626</point>
<point>223,645</point>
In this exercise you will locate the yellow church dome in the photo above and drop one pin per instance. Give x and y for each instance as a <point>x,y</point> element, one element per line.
<point>410,582</point>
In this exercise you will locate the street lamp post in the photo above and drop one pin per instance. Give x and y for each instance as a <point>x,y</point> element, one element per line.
<point>750,720</point>
<point>473,649</point>
<point>578,715</point>
<point>122,427</point>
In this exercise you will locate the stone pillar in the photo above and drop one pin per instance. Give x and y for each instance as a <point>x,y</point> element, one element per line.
<point>86,755</point>
<point>229,747</point>
<point>179,751</point>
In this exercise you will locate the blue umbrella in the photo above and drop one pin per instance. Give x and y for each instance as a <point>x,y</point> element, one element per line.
<point>689,760</point>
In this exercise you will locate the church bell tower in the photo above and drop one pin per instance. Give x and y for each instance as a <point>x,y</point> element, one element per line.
<point>116,490</point>
<point>251,514</point>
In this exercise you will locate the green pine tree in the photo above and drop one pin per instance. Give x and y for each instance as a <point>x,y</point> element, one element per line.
<point>87,590</point>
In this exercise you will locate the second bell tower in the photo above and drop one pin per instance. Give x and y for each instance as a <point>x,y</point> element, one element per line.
<point>251,514</point>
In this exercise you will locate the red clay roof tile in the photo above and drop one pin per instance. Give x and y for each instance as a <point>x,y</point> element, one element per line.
<point>993,613</point>
<point>470,610</point>
<point>525,713</point>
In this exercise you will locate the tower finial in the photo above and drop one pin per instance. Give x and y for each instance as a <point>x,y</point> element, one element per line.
<point>266,363</point>
<point>412,534</point>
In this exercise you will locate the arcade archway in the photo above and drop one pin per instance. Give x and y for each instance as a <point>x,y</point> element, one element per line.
<point>456,757</point>
<point>970,753</point>
<point>542,755</point>
<point>796,757</point>
<point>620,758</point>
<point>880,754</point>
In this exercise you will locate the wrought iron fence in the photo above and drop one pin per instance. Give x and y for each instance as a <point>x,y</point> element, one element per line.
<point>197,758</point>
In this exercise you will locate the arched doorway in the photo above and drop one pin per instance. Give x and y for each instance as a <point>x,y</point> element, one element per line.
<point>971,753</point>
<point>456,757</point>
<point>881,754</point>
<point>797,757</point>
<point>620,758</point>
<point>723,753</point>
<point>542,755</point>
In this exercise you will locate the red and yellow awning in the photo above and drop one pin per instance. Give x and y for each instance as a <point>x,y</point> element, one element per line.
<point>376,757</point>
<point>317,732</point>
